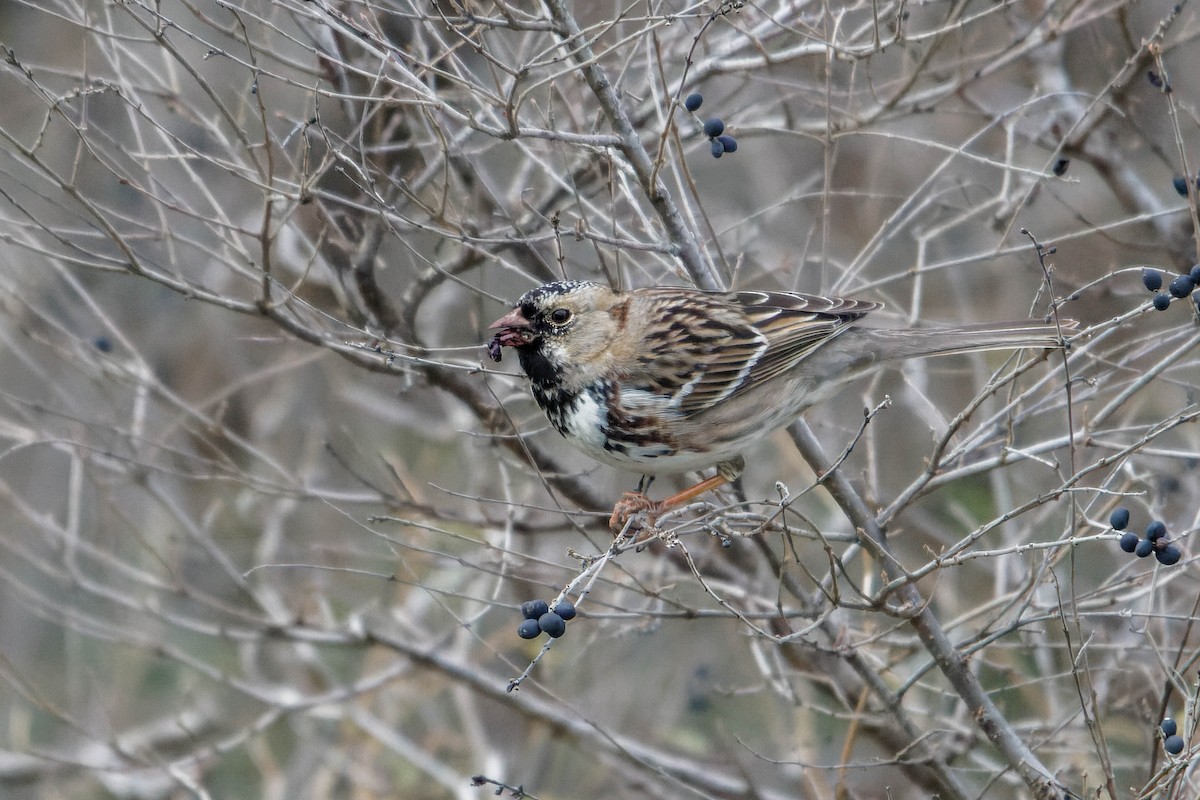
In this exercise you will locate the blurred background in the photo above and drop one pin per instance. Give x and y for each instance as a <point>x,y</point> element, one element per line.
<point>269,512</point>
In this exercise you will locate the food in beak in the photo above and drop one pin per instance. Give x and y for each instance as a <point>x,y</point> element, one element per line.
<point>514,332</point>
<point>494,348</point>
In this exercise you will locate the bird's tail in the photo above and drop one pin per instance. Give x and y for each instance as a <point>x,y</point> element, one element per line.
<point>922,343</point>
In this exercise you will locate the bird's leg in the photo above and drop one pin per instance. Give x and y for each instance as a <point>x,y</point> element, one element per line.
<point>633,502</point>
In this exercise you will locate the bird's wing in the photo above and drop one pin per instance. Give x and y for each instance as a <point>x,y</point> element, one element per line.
<point>703,348</point>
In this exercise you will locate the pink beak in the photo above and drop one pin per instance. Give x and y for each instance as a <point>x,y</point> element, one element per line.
<point>514,329</point>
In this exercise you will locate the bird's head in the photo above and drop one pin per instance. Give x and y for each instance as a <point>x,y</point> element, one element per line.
<point>562,331</point>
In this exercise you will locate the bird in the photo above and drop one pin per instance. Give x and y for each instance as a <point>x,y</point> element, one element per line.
<point>671,379</point>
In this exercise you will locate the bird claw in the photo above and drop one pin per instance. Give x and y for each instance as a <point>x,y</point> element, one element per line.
<point>632,503</point>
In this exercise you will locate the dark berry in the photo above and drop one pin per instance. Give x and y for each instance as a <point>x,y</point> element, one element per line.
<point>103,344</point>
<point>1158,82</point>
<point>566,610</point>
<point>1144,548</point>
<point>1182,286</point>
<point>1156,530</point>
<point>1169,555</point>
<point>717,149</point>
<point>693,101</point>
<point>1152,279</point>
<point>728,143</point>
<point>1168,727</point>
<point>1173,745</point>
<point>1162,301</point>
<point>532,609</point>
<point>529,629</point>
<point>552,624</point>
<point>1194,274</point>
<point>714,128</point>
<point>1060,167</point>
<point>1129,541</point>
<point>1119,518</point>
<point>1181,185</point>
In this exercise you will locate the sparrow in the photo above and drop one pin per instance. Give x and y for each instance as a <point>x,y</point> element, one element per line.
<point>665,380</point>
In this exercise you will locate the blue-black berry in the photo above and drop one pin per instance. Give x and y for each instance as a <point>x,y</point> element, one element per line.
<point>529,629</point>
<point>532,609</point>
<point>1156,530</point>
<point>1060,167</point>
<point>1169,555</point>
<point>566,610</point>
<point>728,143</point>
<point>693,101</point>
<point>714,128</point>
<point>1119,518</point>
<point>1173,745</point>
<point>717,149</point>
<point>1129,541</point>
<point>552,624</point>
<point>1144,548</point>
<point>1181,185</point>
<point>103,344</point>
<point>1182,286</point>
<point>1194,272</point>
<point>1168,727</point>
<point>1162,301</point>
<point>1152,279</point>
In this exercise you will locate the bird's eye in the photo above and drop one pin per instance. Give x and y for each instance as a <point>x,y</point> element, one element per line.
<point>559,316</point>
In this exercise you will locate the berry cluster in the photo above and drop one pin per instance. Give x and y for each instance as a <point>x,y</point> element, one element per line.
<point>539,618</point>
<point>719,141</point>
<point>1180,287</point>
<point>1172,741</point>
<point>1155,541</point>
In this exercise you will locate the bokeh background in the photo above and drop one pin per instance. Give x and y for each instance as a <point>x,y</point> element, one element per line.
<point>268,512</point>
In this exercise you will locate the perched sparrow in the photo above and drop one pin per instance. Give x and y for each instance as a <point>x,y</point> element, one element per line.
<point>669,380</point>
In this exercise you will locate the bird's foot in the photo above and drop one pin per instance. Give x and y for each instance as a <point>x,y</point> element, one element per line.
<point>632,503</point>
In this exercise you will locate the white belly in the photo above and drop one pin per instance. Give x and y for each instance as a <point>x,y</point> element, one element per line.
<point>585,429</point>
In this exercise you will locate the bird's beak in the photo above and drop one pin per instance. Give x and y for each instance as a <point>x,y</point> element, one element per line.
<point>514,329</point>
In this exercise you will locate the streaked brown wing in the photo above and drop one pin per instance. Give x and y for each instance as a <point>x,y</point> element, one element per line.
<point>795,325</point>
<point>713,346</point>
